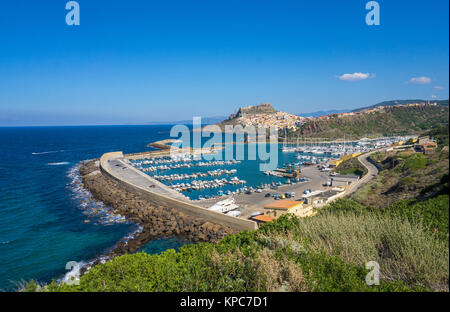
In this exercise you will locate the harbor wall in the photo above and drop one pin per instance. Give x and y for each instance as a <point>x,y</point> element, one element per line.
<point>185,207</point>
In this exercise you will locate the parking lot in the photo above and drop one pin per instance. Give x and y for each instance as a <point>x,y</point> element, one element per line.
<point>254,202</point>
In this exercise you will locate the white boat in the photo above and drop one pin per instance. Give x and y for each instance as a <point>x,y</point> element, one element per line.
<point>233,213</point>
<point>224,206</point>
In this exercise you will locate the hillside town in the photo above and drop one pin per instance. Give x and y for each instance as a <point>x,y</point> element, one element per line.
<point>265,116</point>
<point>280,120</point>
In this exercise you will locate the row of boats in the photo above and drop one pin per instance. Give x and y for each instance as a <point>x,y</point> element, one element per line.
<point>194,175</point>
<point>329,150</point>
<point>157,160</point>
<point>206,184</point>
<point>312,160</point>
<point>341,149</point>
<point>171,166</point>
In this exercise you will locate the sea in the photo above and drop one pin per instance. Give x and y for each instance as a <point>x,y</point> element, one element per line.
<point>44,207</point>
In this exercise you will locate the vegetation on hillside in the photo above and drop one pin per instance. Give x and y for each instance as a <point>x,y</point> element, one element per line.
<point>351,166</point>
<point>400,219</point>
<point>387,122</point>
<point>327,252</point>
<point>324,253</point>
<point>440,134</point>
<point>405,175</point>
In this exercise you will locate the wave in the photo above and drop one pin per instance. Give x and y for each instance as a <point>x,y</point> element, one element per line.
<point>73,276</point>
<point>49,152</point>
<point>91,207</point>
<point>58,163</point>
<point>97,210</point>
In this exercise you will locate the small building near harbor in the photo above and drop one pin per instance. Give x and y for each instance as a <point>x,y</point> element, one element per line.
<point>425,140</point>
<point>279,207</point>
<point>261,219</point>
<point>322,198</point>
<point>425,147</point>
<point>343,179</point>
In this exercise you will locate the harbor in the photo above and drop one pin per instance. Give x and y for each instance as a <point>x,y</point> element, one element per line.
<point>238,188</point>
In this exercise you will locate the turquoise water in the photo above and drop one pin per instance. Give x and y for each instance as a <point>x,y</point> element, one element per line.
<point>248,170</point>
<point>157,246</point>
<point>41,218</point>
<point>43,209</point>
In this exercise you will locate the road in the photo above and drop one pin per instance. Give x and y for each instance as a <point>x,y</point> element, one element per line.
<point>372,171</point>
<point>131,175</point>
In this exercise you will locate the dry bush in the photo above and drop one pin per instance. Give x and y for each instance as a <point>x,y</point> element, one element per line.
<point>281,275</point>
<point>403,250</point>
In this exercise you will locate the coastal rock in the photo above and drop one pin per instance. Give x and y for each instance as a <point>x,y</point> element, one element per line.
<point>158,221</point>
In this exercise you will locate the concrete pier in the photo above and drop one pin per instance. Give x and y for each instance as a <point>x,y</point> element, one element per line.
<point>114,165</point>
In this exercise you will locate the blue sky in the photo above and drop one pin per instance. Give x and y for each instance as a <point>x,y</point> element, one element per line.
<point>137,61</point>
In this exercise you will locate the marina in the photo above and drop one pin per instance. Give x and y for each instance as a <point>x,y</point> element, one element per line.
<point>199,179</point>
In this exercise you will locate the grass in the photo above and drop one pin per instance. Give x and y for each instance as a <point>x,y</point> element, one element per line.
<point>402,248</point>
<point>409,238</point>
<point>405,175</point>
<point>351,166</point>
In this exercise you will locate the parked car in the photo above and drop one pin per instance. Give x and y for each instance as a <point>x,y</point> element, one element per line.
<point>267,195</point>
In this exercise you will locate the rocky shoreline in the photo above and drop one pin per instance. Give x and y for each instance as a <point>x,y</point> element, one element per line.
<point>156,221</point>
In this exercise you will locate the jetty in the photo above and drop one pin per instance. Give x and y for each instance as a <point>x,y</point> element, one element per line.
<point>117,166</point>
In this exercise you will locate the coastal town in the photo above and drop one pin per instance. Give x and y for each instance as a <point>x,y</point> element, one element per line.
<point>280,120</point>
<point>265,116</point>
<point>307,176</point>
<point>300,186</point>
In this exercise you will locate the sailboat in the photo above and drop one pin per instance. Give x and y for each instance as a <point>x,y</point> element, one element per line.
<point>285,148</point>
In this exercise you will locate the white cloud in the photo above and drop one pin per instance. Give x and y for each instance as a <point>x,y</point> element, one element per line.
<point>438,88</point>
<point>355,76</point>
<point>433,96</point>
<point>420,80</point>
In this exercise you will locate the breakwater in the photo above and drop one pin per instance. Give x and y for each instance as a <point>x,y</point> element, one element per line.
<point>156,221</point>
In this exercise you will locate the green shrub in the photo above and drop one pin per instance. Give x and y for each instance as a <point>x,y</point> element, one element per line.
<point>322,253</point>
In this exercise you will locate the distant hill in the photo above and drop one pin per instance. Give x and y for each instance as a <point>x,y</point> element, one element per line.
<point>401,102</point>
<point>395,120</point>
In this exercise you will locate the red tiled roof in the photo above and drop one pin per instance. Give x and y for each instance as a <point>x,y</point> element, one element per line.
<point>263,218</point>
